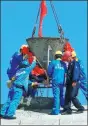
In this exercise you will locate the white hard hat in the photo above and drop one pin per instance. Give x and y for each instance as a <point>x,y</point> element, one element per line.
<point>23,46</point>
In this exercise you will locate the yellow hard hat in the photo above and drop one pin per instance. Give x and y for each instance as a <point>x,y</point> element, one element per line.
<point>77,59</point>
<point>73,54</point>
<point>58,52</point>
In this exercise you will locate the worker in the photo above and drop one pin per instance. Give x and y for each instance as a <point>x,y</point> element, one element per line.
<point>19,84</point>
<point>72,86</point>
<point>83,79</point>
<point>56,71</point>
<point>15,61</point>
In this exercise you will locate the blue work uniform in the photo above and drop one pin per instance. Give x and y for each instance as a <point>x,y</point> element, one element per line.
<point>73,75</point>
<point>16,91</point>
<point>56,71</point>
<point>15,61</point>
<point>83,80</point>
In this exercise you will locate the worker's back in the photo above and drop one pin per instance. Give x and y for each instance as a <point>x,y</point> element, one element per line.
<point>22,75</point>
<point>15,61</point>
<point>56,71</point>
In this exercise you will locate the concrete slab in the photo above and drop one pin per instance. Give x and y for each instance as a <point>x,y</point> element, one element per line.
<point>42,117</point>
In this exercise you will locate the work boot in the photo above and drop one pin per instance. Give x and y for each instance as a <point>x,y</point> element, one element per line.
<point>9,117</point>
<point>1,116</point>
<point>67,112</point>
<point>80,110</point>
<point>54,112</point>
<point>61,111</point>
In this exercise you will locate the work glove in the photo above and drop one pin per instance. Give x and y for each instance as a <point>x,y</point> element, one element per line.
<point>9,83</point>
<point>73,84</point>
<point>34,84</point>
<point>13,78</point>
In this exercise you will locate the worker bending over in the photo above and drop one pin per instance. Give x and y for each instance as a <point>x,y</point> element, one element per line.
<point>19,84</point>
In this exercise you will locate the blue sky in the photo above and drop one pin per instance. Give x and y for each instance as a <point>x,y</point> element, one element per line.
<point>18,19</point>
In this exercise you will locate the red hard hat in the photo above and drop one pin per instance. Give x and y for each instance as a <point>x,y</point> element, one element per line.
<point>25,50</point>
<point>68,47</point>
<point>66,55</point>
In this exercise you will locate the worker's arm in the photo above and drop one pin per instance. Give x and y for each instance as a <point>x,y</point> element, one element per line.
<point>50,69</point>
<point>65,76</point>
<point>76,73</point>
<point>32,66</point>
<point>65,71</point>
<point>10,82</point>
<point>32,83</point>
<point>64,66</point>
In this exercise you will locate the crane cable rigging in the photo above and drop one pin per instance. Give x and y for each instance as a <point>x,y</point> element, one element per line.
<point>57,21</point>
<point>34,29</point>
<point>61,32</point>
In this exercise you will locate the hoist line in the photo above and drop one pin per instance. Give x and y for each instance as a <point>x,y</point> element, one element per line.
<point>34,29</point>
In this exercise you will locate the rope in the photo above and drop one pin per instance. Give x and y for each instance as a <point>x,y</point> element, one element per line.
<point>55,15</point>
<point>57,21</point>
<point>34,29</point>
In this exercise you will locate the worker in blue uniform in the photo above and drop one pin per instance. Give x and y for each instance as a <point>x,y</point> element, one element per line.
<point>56,71</point>
<point>72,86</point>
<point>83,80</point>
<point>15,61</point>
<point>19,84</point>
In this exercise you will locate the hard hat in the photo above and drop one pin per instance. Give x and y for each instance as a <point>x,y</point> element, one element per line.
<point>73,54</point>
<point>67,54</point>
<point>23,46</point>
<point>24,49</point>
<point>58,52</point>
<point>77,59</point>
